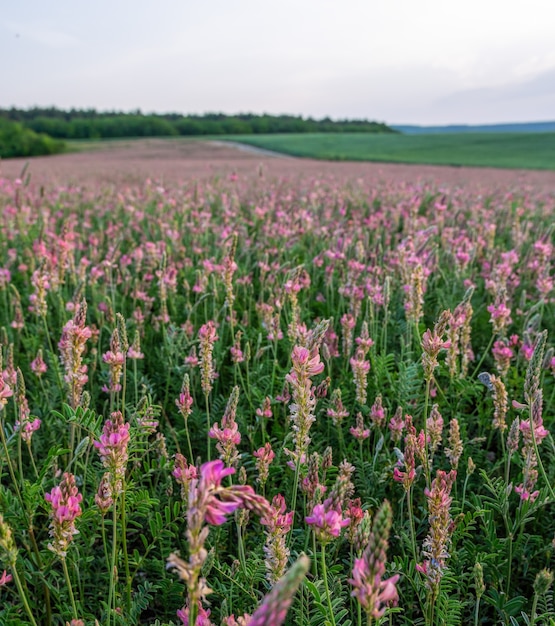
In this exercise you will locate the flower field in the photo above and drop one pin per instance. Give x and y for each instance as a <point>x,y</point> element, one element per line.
<point>262,401</point>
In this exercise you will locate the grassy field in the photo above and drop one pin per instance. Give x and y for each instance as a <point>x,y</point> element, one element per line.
<point>511,150</point>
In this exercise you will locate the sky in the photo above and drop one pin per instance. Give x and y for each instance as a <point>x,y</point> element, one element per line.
<point>395,61</point>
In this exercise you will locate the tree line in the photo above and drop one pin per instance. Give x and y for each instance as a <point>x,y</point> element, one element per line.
<point>92,124</point>
<point>18,141</point>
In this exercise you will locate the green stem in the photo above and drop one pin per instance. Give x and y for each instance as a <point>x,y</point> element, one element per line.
<point>426,460</point>
<point>124,546</point>
<point>208,426</point>
<point>295,489</point>
<point>70,588</point>
<point>189,447</point>
<point>477,368</point>
<point>411,524</point>
<point>22,594</point>
<point>325,575</point>
<point>534,608</point>
<point>477,612</point>
<point>113,570</point>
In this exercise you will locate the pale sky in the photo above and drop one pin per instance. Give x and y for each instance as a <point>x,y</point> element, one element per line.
<point>397,61</point>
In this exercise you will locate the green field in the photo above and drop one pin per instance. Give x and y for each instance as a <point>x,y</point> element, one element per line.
<point>510,150</point>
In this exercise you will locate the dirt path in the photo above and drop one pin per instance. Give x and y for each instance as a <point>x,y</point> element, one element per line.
<point>174,161</point>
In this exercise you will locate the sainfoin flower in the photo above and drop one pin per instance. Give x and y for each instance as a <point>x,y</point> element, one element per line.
<point>65,501</point>
<point>75,335</point>
<point>210,503</point>
<point>327,521</point>
<point>112,448</point>
<point>369,586</point>
<point>434,548</point>
<point>5,578</point>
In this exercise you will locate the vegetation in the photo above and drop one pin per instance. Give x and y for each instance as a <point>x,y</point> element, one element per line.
<point>18,141</point>
<point>91,124</point>
<point>513,150</point>
<point>199,384</point>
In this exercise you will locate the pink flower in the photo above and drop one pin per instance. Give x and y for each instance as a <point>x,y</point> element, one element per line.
<point>202,618</point>
<point>310,362</point>
<point>65,501</point>
<point>327,522</point>
<point>5,578</point>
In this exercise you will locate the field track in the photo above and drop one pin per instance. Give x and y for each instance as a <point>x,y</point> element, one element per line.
<point>172,162</point>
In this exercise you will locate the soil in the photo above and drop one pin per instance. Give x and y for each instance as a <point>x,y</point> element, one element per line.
<point>180,161</point>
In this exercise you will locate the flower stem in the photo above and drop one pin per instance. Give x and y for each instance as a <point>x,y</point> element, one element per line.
<point>325,574</point>
<point>22,594</point>
<point>70,588</point>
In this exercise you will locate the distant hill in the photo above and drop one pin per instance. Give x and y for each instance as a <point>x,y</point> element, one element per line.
<point>527,127</point>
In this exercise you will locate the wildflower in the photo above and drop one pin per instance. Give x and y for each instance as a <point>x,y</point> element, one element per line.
<point>337,411</point>
<point>103,497</point>
<point>7,543</point>
<point>500,312</point>
<point>208,337</point>
<point>372,591</point>
<point>359,432</point>
<point>24,424</point>
<point>408,458</point>
<point>202,617</point>
<point>185,400</point>
<point>38,366</point>
<point>65,501</point>
<point>364,342</point>
<point>502,353</point>
<point>397,425</point>
<point>311,484</point>
<point>115,358</point>
<point>500,403</point>
<point>5,387</point>
<point>454,452</point>
<point>210,503</point>
<point>75,335</point>
<point>278,523</point>
<point>274,606</point>
<point>5,578</point>
<point>237,355</point>
<point>343,487</point>
<point>532,429</point>
<point>434,426</point>
<point>348,323</point>
<point>228,436</point>
<point>360,369</point>
<point>355,514</point>
<point>264,456</point>
<point>432,344</point>
<point>414,289</point>
<point>243,620</point>
<point>40,280</point>
<point>305,364</point>
<point>266,409</point>
<point>377,412</point>
<point>434,548</point>
<point>134,352</point>
<point>327,521</point>
<point>112,449</point>
<point>184,474</point>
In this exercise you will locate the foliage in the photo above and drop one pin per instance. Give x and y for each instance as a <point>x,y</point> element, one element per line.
<point>18,141</point>
<point>91,124</point>
<point>137,320</point>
